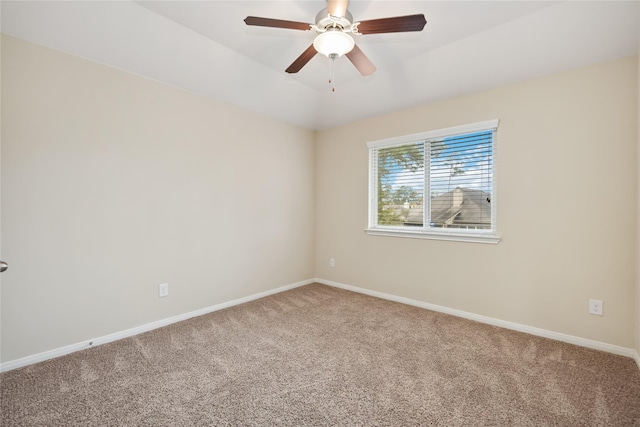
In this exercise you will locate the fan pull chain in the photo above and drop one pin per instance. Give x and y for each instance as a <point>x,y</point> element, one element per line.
<point>331,76</point>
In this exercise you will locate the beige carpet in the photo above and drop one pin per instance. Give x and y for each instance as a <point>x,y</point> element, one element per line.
<point>323,356</point>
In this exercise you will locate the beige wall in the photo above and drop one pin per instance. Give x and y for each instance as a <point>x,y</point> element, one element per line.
<point>638,243</point>
<point>567,210</point>
<point>113,184</point>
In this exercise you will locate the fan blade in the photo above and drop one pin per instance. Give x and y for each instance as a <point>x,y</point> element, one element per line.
<point>337,7</point>
<point>361,62</point>
<point>302,60</point>
<point>397,24</point>
<point>276,23</point>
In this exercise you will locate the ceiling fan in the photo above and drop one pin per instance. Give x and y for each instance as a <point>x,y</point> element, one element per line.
<point>334,27</point>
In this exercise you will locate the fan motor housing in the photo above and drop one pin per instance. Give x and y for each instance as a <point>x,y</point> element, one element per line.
<point>325,21</point>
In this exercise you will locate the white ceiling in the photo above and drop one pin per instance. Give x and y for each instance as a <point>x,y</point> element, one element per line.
<point>205,47</point>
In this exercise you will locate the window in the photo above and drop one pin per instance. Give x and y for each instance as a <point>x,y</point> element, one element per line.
<point>437,184</point>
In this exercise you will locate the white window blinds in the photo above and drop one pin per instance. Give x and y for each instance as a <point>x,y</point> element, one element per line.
<point>436,182</point>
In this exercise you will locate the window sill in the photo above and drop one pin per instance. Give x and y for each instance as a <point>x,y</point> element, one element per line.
<point>434,235</point>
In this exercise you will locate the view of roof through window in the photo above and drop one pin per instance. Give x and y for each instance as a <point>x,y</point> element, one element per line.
<point>459,181</point>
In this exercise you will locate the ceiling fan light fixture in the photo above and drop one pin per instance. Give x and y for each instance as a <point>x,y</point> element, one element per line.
<point>333,43</point>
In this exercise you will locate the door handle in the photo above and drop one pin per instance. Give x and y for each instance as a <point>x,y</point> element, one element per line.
<point>3,266</point>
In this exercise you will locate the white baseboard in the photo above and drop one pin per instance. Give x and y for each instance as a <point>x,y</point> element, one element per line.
<point>61,351</point>
<point>583,342</point>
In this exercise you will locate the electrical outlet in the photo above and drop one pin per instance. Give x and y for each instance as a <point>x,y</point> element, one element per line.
<point>332,262</point>
<point>163,289</point>
<point>596,306</point>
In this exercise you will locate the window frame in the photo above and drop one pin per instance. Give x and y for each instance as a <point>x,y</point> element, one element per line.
<point>425,232</point>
